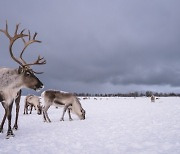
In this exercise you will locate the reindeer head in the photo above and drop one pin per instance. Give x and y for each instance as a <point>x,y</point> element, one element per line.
<point>30,80</point>
<point>81,113</point>
<point>28,75</point>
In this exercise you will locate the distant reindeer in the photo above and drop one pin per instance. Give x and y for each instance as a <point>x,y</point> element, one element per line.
<point>62,99</point>
<point>13,80</point>
<point>32,101</point>
<point>152,98</point>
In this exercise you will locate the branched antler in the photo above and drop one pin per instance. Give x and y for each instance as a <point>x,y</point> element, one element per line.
<point>39,61</point>
<point>12,39</point>
<point>27,43</point>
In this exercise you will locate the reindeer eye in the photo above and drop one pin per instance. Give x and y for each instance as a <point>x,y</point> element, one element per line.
<point>28,73</point>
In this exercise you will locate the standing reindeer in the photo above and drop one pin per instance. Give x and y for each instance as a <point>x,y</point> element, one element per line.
<point>13,80</point>
<point>152,98</point>
<point>32,101</point>
<point>62,99</point>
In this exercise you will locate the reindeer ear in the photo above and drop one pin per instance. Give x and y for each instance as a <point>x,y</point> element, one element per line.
<point>20,70</point>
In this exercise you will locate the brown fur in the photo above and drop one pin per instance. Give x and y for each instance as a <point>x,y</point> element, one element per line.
<point>13,80</point>
<point>32,101</point>
<point>62,99</point>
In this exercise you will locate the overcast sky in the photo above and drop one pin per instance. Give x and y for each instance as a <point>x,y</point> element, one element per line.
<point>103,46</point>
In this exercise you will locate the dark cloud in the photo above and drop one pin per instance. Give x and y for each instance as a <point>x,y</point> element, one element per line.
<point>100,46</point>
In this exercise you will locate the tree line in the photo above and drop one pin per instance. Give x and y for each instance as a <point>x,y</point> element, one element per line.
<point>131,94</point>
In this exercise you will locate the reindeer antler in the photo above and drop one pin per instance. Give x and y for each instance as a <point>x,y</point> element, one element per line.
<point>12,39</point>
<point>21,61</point>
<point>27,43</point>
<point>39,61</point>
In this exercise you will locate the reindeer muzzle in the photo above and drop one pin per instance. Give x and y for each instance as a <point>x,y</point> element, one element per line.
<point>39,88</point>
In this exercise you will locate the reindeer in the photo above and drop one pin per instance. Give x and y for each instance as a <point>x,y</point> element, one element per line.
<point>152,98</point>
<point>32,101</point>
<point>62,99</point>
<point>13,80</point>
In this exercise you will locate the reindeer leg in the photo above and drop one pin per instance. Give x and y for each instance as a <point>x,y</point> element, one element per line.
<point>64,111</point>
<point>17,101</point>
<point>69,113</point>
<point>45,114</point>
<point>4,118</point>
<point>2,123</point>
<point>44,117</point>
<point>25,109</point>
<point>9,132</point>
<point>31,108</point>
<point>17,115</point>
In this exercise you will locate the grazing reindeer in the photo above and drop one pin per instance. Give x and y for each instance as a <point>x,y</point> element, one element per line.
<point>152,98</point>
<point>32,101</point>
<point>62,99</point>
<point>13,80</point>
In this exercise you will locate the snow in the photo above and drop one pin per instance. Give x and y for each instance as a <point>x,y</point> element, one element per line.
<point>112,126</point>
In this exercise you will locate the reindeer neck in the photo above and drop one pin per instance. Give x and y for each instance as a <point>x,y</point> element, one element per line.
<point>10,79</point>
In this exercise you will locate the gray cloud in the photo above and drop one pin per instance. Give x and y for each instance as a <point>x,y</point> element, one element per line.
<point>100,46</point>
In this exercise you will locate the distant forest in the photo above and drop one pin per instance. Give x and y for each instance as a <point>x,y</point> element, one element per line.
<point>131,94</point>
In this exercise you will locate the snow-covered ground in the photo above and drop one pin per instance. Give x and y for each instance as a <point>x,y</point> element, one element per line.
<point>112,126</point>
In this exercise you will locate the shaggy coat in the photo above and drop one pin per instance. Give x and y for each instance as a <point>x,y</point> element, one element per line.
<point>32,101</point>
<point>62,99</point>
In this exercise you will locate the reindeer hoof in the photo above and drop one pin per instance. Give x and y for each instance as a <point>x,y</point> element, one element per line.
<point>9,134</point>
<point>49,121</point>
<point>70,119</point>
<point>61,119</point>
<point>15,127</point>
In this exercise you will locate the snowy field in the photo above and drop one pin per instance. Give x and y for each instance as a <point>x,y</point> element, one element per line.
<point>112,126</point>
